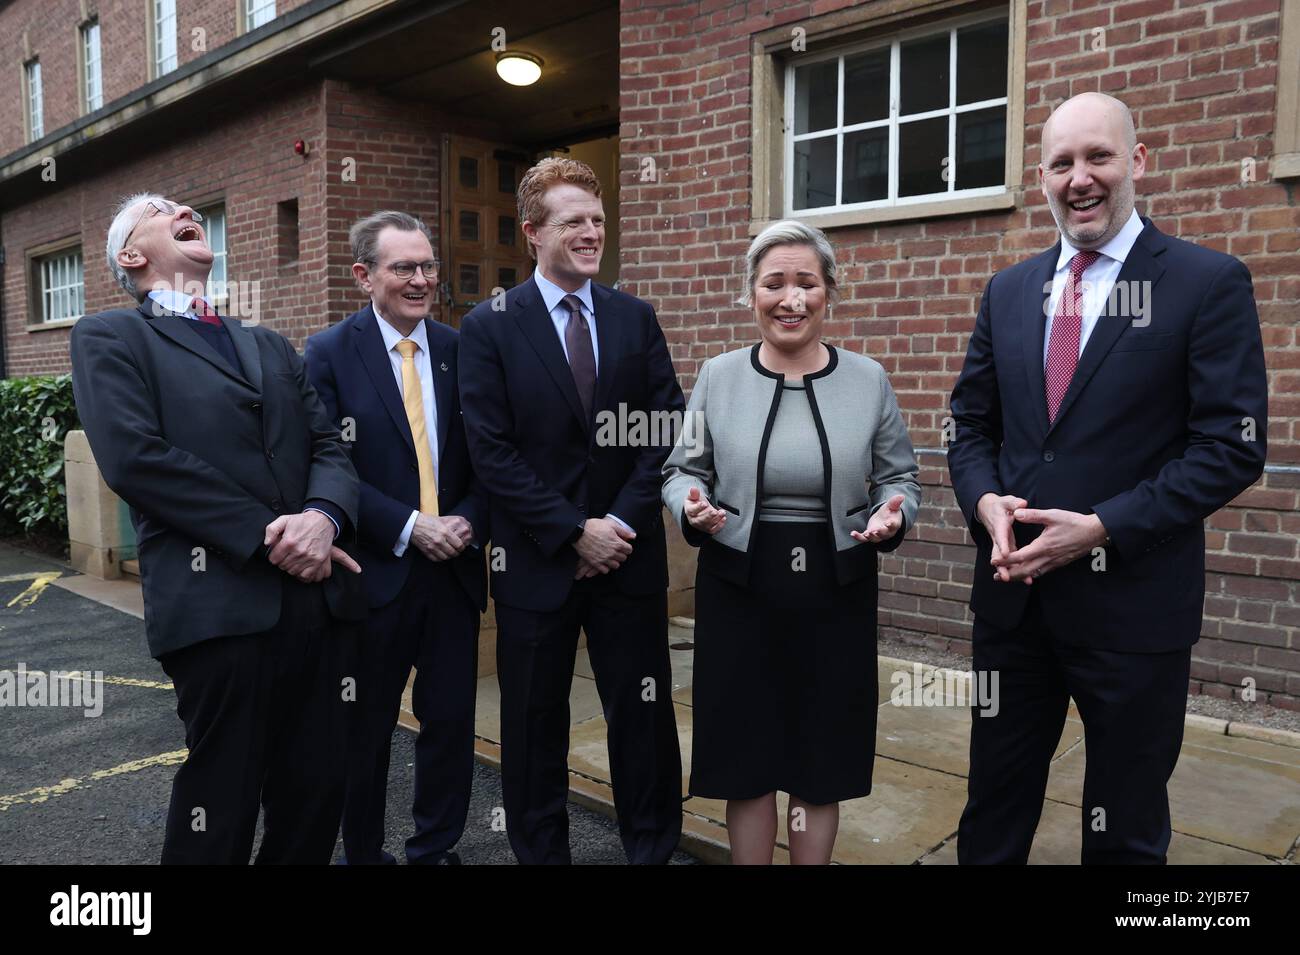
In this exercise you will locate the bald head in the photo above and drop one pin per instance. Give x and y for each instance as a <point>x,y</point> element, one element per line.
<point>1089,163</point>
<point>1096,110</point>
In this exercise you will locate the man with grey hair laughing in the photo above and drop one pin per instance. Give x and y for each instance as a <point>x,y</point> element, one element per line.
<point>242,496</point>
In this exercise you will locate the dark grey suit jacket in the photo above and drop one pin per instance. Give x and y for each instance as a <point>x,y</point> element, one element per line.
<point>207,455</point>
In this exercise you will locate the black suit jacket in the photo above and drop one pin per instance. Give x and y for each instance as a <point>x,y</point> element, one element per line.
<point>207,455</point>
<point>352,373</point>
<point>537,456</point>
<point>1162,425</point>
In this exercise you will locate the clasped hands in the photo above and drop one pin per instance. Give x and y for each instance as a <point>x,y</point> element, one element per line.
<point>603,547</point>
<point>441,538</point>
<point>1066,536</point>
<point>302,545</point>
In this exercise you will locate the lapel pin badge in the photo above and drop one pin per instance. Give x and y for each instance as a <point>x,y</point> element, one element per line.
<point>443,366</point>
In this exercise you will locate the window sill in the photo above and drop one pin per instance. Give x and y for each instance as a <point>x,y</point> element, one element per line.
<point>1285,166</point>
<point>50,326</point>
<point>906,213</point>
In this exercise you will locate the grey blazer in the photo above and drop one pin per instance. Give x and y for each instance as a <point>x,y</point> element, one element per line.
<point>867,455</point>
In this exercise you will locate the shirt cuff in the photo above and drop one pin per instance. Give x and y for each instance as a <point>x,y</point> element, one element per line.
<point>337,529</point>
<point>619,521</point>
<point>404,538</point>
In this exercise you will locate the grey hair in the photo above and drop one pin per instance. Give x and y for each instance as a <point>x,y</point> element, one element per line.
<point>789,232</point>
<point>123,221</point>
<point>364,234</point>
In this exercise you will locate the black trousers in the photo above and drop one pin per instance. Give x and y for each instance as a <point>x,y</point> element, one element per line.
<point>627,640</point>
<point>265,720</point>
<point>1132,706</point>
<point>433,626</point>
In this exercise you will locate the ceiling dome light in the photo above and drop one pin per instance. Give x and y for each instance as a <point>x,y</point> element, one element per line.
<point>519,69</point>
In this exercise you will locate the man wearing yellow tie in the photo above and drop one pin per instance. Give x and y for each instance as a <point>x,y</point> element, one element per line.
<point>387,375</point>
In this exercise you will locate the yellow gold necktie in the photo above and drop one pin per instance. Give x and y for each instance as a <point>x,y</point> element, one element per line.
<point>413,400</point>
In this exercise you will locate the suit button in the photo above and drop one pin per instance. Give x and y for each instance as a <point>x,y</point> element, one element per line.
<point>275,505</point>
<point>1049,456</point>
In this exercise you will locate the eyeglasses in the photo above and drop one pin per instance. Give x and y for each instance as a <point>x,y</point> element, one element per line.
<point>406,270</point>
<point>155,206</point>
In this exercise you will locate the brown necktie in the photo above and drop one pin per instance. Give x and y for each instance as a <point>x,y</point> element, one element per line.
<point>582,361</point>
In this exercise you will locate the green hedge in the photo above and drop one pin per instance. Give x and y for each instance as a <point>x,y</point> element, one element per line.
<point>36,415</point>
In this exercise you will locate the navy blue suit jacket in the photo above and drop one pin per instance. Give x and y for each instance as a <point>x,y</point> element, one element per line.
<point>351,371</point>
<point>538,457</point>
<point>1163,424</point>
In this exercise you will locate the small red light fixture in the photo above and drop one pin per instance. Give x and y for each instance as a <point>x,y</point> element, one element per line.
<point>301,147</point>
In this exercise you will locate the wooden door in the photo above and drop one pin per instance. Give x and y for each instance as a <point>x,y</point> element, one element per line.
<point>483,245</point>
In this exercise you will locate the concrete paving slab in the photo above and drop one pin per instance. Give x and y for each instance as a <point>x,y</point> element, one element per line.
<point>123,594</point>
<point>1227,793</point>
<point>1058,840</point>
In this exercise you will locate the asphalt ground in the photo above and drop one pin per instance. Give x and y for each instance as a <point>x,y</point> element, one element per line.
<point>94,790</point>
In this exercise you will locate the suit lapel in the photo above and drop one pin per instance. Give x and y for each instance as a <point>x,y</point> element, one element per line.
<point>442,370</point>
<point>1140,271</point>
<point>1036,296</point>
<point>186,337</point>
<point>608,331</point>
<point>374,358</point>
<point>535,324</point>
<point>246,349</point>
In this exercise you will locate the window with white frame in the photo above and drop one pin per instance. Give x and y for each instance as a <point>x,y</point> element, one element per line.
<point>92,70</point>
<point>164,36</point>
<point>35,100</point>
<point>918,117</point>
<point>258,12</point>
<point>63,292</point>
<point>214,226</point>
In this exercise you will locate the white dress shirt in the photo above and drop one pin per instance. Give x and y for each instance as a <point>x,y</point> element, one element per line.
<point>553,296</point>
<point>1096,282</point>
<point>424,369</point>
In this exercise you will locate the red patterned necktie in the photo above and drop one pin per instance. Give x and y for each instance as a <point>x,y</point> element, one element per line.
<point>205,312</point>
<point>1063,346</point>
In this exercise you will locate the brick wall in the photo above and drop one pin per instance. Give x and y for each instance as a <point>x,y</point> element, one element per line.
<point>51,28</point>
<point>1201,79</point>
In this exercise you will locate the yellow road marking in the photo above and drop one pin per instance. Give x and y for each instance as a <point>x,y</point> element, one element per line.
<point>37,587</point>
<point>113,680</point>
<point>44,793</point>
<point>15,578</point>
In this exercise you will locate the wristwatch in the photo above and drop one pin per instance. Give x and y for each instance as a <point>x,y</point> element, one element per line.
<point>578,531</point>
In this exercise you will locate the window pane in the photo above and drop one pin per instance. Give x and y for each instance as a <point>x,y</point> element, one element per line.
<point>505,230</point>
<point>814,173</point>
<point>981,147</point>
<point>922,147</point>
<point>506,278</point>
<point>468,280</point>
<point>866,165</point>
<point>866,87</point>
<point>924,75</point>
<point>816,88</point>
<point>469,172</point>
<point>507,177</point>
<point>982,62</point>
<point>469,226</point>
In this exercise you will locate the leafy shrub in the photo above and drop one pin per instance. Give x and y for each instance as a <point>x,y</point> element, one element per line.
<point>36,415</point>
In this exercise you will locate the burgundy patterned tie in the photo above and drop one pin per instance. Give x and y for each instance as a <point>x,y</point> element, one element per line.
<point>1063,347</point>
<point>205,312</point>
<point>582,361</point>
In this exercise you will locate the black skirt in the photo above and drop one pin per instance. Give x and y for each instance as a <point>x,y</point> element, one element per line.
<point>784,688</point>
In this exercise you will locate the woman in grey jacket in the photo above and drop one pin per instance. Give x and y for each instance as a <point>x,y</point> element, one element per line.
<point>794,469</point>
